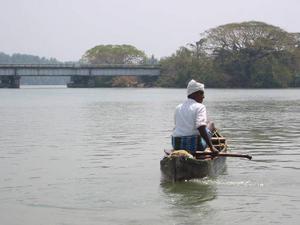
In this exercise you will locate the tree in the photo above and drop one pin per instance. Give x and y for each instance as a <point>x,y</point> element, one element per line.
<point>239,48</point>
<point>114,54</point>
<point>188,63</point>
<point>248,54</point>
<point>176,69</point>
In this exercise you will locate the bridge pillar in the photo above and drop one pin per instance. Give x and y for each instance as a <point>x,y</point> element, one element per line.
<point>297,80</point>
<point>82,82</point>
<point>10,81</point>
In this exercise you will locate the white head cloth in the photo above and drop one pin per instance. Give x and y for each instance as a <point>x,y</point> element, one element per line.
<point>194,86</point>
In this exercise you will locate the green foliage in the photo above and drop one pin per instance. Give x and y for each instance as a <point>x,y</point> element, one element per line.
<point>249,54</point>
<point>114,54</point>
<point>119,54</point>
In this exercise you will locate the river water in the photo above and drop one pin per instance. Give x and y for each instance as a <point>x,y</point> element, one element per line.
<point>91,156</point>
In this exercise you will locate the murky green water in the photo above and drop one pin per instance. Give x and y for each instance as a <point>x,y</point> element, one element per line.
<point>91,156</point>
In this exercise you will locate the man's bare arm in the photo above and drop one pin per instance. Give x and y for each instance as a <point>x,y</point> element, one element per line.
<point>203,133</point>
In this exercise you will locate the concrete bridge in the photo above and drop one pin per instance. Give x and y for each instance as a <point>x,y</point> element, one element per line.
<point>81,75</point>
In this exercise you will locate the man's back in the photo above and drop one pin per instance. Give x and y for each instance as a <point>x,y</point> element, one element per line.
<point>188,117</point>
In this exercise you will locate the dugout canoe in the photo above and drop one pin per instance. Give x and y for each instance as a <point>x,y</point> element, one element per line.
<point>178,167</point>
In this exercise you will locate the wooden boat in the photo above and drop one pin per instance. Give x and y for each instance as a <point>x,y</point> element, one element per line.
<point>180,165</point>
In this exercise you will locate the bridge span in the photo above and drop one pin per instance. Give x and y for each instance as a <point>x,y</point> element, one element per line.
<point>81,75</point>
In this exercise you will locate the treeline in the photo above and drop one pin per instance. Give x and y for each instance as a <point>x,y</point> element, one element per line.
<point>238,55</point>
<point>25,59</point>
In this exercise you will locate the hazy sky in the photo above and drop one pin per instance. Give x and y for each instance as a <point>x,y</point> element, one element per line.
<point>65,29</point>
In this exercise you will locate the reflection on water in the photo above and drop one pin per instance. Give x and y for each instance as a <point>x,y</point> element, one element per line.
<point>188,200</point>
<point>189,193</point>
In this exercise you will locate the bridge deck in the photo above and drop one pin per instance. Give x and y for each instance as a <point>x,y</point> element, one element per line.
<point>78,70</point>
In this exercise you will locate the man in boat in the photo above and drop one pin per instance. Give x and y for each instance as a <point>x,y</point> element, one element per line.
<point>192,131</point>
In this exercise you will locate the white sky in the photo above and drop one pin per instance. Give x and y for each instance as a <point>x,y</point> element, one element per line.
<point>65,29</point>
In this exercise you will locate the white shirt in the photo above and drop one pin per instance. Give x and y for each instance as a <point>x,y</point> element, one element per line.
<point>189,116</point>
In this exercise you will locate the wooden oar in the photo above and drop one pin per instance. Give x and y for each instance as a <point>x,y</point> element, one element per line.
<point>223,154</point>
<point>198,153</point>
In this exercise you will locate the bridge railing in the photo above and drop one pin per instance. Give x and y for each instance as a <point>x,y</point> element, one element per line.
<point>78,70</point>
<point>75,65</point>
